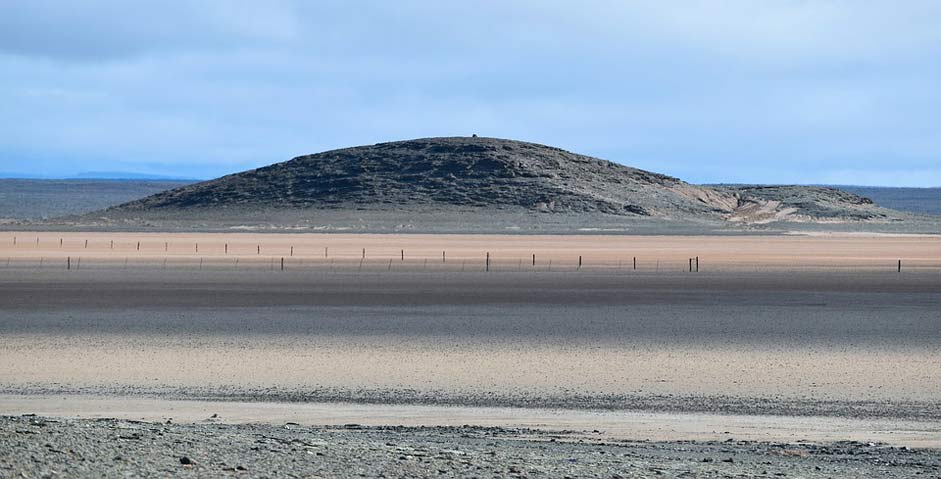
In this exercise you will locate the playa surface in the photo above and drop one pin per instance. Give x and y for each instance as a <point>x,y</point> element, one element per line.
<point>777,338</point>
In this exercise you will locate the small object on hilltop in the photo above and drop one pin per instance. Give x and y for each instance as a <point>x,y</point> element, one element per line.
<point>474,135</point>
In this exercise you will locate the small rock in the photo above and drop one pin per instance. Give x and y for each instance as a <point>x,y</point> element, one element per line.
<point>186,461</point>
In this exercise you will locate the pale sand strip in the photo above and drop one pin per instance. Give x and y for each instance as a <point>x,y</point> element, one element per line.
<point>610,425</point>
<point>463,367</point>
<point>652,252</point>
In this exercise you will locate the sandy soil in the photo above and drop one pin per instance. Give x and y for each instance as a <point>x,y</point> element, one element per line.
<point>469,252</point>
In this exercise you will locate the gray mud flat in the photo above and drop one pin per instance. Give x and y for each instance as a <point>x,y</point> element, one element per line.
<point>33,446</point>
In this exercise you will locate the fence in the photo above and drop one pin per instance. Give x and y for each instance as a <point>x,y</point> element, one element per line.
<point>468,253</point>
<point>484,263</point>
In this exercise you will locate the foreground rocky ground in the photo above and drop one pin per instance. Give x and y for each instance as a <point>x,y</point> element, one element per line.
<point>32,446</point>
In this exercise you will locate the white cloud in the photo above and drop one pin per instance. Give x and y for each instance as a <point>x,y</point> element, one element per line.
<point>696,89</point>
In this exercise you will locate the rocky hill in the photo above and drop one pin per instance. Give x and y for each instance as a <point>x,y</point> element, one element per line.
<point>465,184</point>
<point>468,180</point>
<point>446,172</point>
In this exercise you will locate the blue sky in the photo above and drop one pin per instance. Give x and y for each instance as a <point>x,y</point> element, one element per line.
<point>768,91</point>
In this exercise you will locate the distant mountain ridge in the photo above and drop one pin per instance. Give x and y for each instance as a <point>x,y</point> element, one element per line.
<point>124,175</point>
<point>97,175</point>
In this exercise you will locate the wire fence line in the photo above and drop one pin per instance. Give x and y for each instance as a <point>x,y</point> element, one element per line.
<point>34,251</point>
<point>493,264</point>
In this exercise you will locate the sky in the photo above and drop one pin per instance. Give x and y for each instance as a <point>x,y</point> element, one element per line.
<point>735,91</point>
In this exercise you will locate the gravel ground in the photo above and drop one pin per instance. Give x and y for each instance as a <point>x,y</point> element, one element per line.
<point>32,446</point>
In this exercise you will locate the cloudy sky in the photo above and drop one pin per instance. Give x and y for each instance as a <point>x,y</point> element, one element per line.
<point>842,92</point>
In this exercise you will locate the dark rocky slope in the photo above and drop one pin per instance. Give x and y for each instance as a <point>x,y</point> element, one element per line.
<point>443,172</point>
<point>482,176</point>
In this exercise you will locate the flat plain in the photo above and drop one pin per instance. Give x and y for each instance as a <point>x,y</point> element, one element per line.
<point>822,327</point>
<point>27,199</point>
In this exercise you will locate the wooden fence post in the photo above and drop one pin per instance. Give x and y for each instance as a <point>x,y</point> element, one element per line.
<point>900,266</point>
<point>579,262</point>
<point>488,262</point>
<point>68,263</point>
<point>282,263</point>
